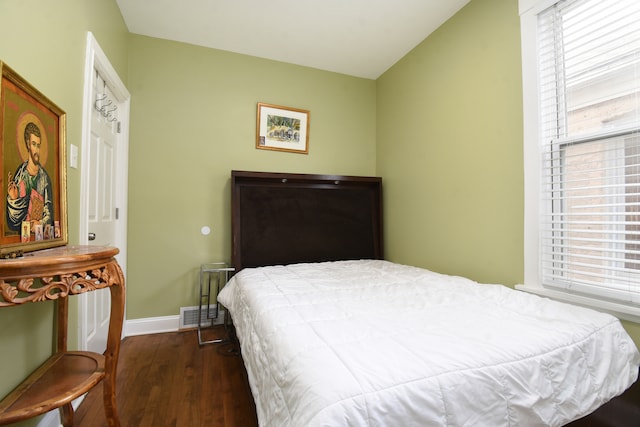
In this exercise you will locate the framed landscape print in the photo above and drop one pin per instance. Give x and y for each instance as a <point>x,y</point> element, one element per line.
<point>32,170</point>
<point>282,128</point>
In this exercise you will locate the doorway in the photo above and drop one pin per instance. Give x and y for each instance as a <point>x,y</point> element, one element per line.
<point>103,186</point>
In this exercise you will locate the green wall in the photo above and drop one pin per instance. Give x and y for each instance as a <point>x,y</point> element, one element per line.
<point>193,116</point>
<point>45,42</point>
<point>450,147</point>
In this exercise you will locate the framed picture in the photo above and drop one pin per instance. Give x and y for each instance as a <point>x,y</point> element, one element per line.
<point>282,128</point>
<point>33,168</point>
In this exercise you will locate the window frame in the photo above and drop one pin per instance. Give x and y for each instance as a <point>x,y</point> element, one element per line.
<point>533,208</point>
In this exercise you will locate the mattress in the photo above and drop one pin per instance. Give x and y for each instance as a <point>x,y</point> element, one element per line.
<point>373,343</point>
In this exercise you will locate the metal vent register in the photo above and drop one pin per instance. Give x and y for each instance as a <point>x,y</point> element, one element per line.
<point>189,316</point>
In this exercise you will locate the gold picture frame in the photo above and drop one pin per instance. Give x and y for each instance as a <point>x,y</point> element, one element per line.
<point>33,170</point>
<point>282,128</point>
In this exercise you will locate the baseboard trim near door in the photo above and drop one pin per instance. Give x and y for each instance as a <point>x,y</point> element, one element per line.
<point>151,325</point>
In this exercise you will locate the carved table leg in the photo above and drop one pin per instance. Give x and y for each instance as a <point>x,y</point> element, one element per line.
<point>113,346</point>
<point>66,415</point>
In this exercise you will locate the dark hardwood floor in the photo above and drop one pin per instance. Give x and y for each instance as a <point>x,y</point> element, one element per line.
<point>169,380</point>
<point>623,411</point>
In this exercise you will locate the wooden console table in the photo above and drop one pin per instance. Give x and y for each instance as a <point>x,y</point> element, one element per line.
<point>54,274</point>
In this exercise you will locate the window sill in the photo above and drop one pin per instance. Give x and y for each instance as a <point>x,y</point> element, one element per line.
<point>621,311</point>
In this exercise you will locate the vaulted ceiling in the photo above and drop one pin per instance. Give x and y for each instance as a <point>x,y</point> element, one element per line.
<point>362,38</point>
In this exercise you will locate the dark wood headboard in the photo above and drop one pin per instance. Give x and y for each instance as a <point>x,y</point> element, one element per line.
<point>280,218</point>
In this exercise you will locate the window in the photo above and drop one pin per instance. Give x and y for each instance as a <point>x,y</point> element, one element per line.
<point>581,79</point>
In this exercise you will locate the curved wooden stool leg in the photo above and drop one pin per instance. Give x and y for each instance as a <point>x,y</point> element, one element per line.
<point>113,347</point>
<point>110,409</point>
<point>66,415</point>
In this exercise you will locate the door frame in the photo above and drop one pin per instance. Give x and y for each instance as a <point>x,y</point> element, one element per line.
<point>96,59</point>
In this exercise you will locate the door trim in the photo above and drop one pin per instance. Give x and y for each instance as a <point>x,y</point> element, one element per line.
<point>95,59</point>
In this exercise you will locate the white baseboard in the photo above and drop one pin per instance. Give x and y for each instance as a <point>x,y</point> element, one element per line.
<point>50,419</point>
<point>151,325</point>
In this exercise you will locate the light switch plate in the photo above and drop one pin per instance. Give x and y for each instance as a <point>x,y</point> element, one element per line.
<point>73,156</point>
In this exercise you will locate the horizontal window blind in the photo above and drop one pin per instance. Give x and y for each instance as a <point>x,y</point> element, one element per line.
<point>589,65</point>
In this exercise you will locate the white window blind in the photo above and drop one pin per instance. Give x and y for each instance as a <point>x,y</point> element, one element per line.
<point>589,68</point>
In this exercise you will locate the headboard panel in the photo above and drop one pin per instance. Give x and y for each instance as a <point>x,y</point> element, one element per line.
<point>282,218</point>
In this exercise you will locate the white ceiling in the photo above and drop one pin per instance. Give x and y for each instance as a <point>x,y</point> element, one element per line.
<point>362,38</point>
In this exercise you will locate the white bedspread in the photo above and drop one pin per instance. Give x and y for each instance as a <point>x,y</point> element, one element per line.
<point>372,343</point>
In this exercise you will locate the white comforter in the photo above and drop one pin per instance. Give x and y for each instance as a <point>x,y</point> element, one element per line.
<point>372,343</point>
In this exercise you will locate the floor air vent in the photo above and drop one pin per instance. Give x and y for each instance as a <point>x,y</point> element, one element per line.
<point>189,317</point>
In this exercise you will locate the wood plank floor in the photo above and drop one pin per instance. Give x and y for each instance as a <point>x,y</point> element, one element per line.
<point>169,380</point>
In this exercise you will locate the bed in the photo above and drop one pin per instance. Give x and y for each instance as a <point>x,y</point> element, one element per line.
<point>331,334</point>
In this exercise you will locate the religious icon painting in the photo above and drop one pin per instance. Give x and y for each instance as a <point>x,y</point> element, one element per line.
<point>32,168</point>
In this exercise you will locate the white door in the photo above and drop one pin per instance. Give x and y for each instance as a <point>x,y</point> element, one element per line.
<point>103,212</point>
<point>103,186</point>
